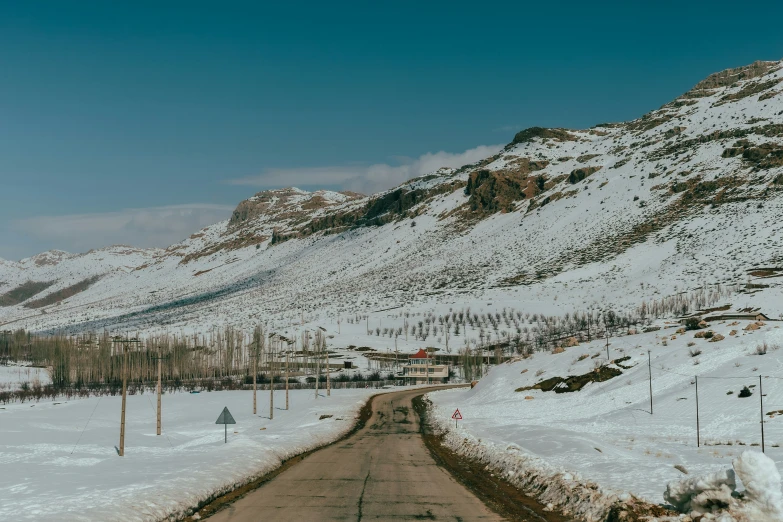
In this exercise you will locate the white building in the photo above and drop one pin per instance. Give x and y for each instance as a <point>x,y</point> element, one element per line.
<point>421,370</point>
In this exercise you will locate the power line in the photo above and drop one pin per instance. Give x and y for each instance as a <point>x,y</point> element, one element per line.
<point>85,426</point>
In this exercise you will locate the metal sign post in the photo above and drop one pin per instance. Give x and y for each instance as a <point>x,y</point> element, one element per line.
<point>457,416</point>
<point>225,419</point>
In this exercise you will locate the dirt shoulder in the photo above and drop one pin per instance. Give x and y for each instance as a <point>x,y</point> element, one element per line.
<point>499,495</point>
<point>212,506</point>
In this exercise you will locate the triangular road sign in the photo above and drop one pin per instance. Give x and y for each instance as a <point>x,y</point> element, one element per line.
<point>225,417</point>
<point>457,415</point>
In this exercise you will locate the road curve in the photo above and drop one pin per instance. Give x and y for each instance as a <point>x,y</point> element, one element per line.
<point>382,472</point>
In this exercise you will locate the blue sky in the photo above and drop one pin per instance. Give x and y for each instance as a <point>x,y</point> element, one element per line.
<point>140,122</point>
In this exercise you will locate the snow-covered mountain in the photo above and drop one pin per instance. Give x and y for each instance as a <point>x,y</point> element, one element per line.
<point>560,220</point>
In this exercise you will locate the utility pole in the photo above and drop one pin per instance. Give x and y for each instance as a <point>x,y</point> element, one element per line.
<point>124,397</point>
<point>328,378</point>
<point>159,386</point>
<point>160,360</point>
<point>698,439</point>
<point>257,343</point>
<point>286,375</point>
<point>271,381</point>
<point>317,361</point>
<point>255,378</point>
<point>124,343</point>
<point>649,370</point>
<point>607,346</point>
<point>428,365</point>
<point>761,404</point>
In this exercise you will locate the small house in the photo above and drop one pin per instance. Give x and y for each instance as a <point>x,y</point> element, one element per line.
<point>737,316</point>
<point>421,369</point>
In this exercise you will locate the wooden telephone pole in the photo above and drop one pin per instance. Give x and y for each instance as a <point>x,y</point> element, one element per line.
<point>124,342</point>
<point>286,374</point>
<point>159,359</point>
<point>317,361</point>
<point>271,381</point>
<point>258,344</point>
<point>255,385</point>
<point>428,365</point>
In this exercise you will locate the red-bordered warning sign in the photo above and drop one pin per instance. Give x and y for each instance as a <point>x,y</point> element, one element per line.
<point>457,415</point>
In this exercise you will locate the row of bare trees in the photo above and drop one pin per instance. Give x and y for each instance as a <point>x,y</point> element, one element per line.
<point>91,359</point>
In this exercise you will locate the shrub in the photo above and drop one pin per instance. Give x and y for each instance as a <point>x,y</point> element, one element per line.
<point>694,352</point>
<point>692,323</point>
<point>745,392</point>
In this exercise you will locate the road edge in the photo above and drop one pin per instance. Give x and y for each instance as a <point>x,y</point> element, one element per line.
<point>219,501</point>
<point>511,503</point>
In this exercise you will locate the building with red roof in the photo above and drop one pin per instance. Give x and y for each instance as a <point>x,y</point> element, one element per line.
<point>422,369</point>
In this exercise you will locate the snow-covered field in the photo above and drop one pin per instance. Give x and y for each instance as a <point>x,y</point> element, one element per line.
<point>58,466</point>
<point>14,376</point>
<point>605,433</point>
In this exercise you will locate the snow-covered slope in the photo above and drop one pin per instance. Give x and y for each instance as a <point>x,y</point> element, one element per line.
<point>606,433</point>
<point>686,196</point>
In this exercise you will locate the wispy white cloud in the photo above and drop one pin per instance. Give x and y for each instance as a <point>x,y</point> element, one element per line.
<point>141,227</point>
<point>366,178</point>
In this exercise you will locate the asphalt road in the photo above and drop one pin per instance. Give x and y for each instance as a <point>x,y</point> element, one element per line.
<point>382,472</point>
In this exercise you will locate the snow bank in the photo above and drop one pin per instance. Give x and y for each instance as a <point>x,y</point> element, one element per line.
<point>559,490</point>
<point>701,495</point>
<point>762,499</point>
<point>715,493</point>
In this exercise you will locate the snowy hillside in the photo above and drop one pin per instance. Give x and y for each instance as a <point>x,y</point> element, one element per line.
<point>685,197</point>
<point>522,419</point>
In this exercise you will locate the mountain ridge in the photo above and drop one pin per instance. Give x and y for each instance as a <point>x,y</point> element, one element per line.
<point>605,208</point>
